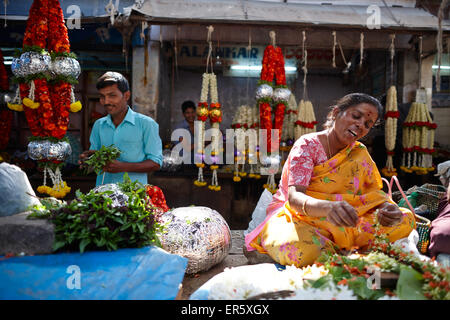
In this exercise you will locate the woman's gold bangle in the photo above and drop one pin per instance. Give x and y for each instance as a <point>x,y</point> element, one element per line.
<point>304,209</point>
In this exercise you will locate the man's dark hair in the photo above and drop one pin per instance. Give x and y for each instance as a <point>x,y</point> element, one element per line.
<point>110,78</point>
<point>187,104</point>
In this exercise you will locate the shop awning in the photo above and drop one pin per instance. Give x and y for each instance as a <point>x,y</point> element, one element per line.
<point>278,13</point>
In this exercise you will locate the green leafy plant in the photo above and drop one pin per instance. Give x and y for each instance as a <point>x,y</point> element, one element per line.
<point>101,158</point>
<point>91,222</point>
<point>44,209</point>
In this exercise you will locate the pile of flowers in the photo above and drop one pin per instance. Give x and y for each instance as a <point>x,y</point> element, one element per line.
<point>156,197</point>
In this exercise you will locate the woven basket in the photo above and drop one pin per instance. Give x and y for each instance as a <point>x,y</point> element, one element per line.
<point>430,195</point>
<point>423,226</point>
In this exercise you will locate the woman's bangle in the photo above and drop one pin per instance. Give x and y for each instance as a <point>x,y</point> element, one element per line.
<point>304,209</point>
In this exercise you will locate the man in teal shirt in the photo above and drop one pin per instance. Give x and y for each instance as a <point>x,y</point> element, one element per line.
<point>136,135</point>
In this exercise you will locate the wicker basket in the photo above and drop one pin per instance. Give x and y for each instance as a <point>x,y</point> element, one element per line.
<point>423,226</point>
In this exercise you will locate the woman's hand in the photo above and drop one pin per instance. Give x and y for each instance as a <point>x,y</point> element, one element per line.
<point>389,214</point>
<point>342,214</point>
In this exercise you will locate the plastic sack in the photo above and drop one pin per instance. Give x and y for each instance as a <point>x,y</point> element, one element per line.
<point>16,192</point>
<point>409,245</point>
<point>259,214</point>
<point>148,273</point>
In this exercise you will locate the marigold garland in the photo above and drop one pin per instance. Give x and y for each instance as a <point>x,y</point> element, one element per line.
<point>47,101</point>
<point>272,69</point>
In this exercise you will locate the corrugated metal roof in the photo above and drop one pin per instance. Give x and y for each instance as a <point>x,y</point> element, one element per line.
<point>270,12</point>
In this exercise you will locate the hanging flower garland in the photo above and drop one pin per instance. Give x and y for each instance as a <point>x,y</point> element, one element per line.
<point>6,116</point>
<point>306,119</point>
<point>202,115</point>
<point>267,93</point>
<point>390,131</point>
<point>418,140</point>
<point>215,116</point>
<point>46,71</point>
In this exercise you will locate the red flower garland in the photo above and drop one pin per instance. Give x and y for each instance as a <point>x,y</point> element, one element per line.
<point>272,67</point>
<point>6,117</point>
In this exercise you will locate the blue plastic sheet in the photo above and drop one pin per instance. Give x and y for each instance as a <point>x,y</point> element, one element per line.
<point>148,273</point>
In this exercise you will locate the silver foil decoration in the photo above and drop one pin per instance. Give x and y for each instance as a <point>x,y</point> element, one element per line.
<point>264,91</point>
<point>65,66</point>
<point>199,234</point>
<point>281,94</point>
<point>171,162</point>
<point>47,150</point>
<point>270,165</point>
<point>30,63</point>
<point>118,197</point>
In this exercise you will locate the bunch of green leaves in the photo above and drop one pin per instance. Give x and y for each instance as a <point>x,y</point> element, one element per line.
<point>44,209</point>
<point>91,222</point>
<point>101,158</point>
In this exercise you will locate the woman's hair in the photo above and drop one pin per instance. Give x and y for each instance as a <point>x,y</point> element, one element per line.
<point>110,78</point>
<point>351,100</point>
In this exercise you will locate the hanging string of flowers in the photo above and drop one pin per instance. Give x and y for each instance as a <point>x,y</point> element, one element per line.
<point>306,119</point>
<point>202,116</point>
<point>215,115</point>
<point>269,93</point>
<point>6,116</point>
<point>46,71</point>
<point>391,115</point>
<point>390,131</point>
<point>418,132</point>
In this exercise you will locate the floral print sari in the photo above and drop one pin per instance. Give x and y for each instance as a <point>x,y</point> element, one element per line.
<point>292,238</point>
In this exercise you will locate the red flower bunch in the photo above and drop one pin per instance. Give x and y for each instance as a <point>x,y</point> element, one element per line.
<point>156,197</point>
<point>391,114</point>
<point>309,125</point>
<point>215,114</point>
<point>272,67</point>
<point>420,124</point>
<point>51,118</point>
<point>6,117</point>
<point>202,111</point>
<point>4,82</point>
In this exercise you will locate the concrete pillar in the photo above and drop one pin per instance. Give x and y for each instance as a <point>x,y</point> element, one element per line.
<point>145,87</point>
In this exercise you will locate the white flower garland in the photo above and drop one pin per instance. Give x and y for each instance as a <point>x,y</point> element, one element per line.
<point>305,114</point>
<point>390,128</point>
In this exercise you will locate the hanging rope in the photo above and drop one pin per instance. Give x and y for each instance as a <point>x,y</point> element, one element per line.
<point>392,52</point>
<point>439,44</point>
<point>305,66</point>
<point>361,49</point>
<point>209,58</point>
<point>420,62</point>
<point>334,49</point>
<point>348,64</point>
<point>273,36</point>
<point>175,49</point>
<point>5,2</point>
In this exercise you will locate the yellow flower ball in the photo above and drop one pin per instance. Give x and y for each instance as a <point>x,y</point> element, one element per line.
<point>236,179</point>
<point>28,102</point>
<point>75,106</point>
<point>214,167</point>
<point>217,188</point>
<point>200,165</point>
<point>15,107</point>
<point>242,174</point>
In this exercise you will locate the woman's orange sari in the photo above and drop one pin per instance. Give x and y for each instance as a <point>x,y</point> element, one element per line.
<point>290,237</point>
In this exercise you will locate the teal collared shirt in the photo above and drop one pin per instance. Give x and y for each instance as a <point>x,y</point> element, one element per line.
<point>137,137</point>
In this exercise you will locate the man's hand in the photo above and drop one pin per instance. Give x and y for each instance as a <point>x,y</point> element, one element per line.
<point>115,166</point>
<point>389,214</point>
<point>85,155</point>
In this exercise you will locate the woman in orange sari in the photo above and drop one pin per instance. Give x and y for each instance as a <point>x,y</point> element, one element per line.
<point>329,192</point>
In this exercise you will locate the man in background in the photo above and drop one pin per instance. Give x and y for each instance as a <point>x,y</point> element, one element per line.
<point>136,135</point>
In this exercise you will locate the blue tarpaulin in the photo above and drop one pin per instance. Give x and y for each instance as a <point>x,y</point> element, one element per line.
<point>126,274</point>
